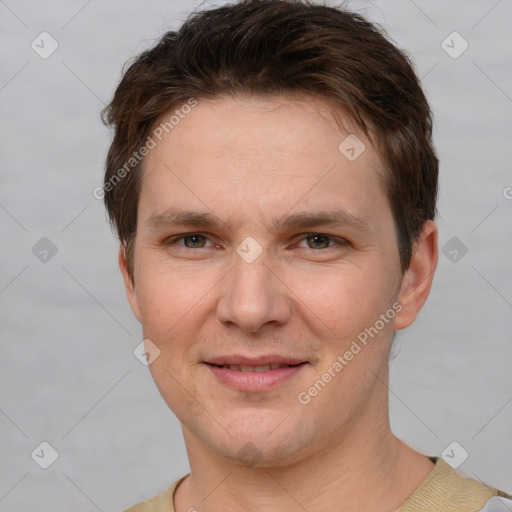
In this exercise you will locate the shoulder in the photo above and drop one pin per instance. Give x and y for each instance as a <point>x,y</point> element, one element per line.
<point>163,502</point>
<point>446,489</point>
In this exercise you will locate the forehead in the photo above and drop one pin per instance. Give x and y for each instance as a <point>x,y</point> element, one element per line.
<point>239,124</point>
<point>261,154</point>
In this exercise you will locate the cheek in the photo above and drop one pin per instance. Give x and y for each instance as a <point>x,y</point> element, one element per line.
<point>173,308</point>
<point>166,295</point>
<point>176,386</point>
<point>344,301</point>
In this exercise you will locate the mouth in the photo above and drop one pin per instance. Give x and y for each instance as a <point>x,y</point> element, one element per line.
<point>256,375</point>
<point>257,369</point>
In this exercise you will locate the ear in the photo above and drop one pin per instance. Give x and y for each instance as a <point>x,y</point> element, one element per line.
<point>129,283</point>
<point>417,280</point>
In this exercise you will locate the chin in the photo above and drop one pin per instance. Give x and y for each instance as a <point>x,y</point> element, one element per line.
<point>268,444</point>
<point>267,454</point>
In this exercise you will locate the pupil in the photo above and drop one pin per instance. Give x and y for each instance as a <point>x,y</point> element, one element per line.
<point>318,240</point>
<point>195,240</point>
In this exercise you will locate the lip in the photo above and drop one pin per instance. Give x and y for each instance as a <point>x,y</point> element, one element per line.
<point>254,361</point>
<point>255,382</point>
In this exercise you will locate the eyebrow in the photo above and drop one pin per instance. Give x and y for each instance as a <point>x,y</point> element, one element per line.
<point>186,218</point>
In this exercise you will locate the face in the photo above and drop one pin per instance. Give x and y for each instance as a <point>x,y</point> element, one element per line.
<point>261,246</point>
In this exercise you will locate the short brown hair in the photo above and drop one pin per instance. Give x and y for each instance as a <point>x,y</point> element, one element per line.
<point>268,47</point>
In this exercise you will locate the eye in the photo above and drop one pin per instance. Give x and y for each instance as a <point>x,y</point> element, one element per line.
<point>319,241</point>
<point>190,241</point>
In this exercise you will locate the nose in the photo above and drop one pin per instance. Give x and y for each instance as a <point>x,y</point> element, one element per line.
<point>252,296</point>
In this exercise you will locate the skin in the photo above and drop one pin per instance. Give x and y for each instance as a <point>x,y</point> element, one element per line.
<point>248,161</point>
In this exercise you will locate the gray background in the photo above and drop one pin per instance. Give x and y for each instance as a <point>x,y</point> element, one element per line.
<point>68,373</point>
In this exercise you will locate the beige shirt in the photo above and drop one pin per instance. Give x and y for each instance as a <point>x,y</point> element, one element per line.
<point>443,490</point>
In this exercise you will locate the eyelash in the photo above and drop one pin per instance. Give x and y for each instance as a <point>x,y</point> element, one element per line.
<point>336,240</point>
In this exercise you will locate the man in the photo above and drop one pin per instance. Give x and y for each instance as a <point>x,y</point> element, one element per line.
<point>273,183</point>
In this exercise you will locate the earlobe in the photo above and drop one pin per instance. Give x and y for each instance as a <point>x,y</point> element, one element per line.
<point>417,280</point>
<point>129,283</point>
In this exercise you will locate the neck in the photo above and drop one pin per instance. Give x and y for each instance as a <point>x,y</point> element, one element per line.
<point>364,468</point>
